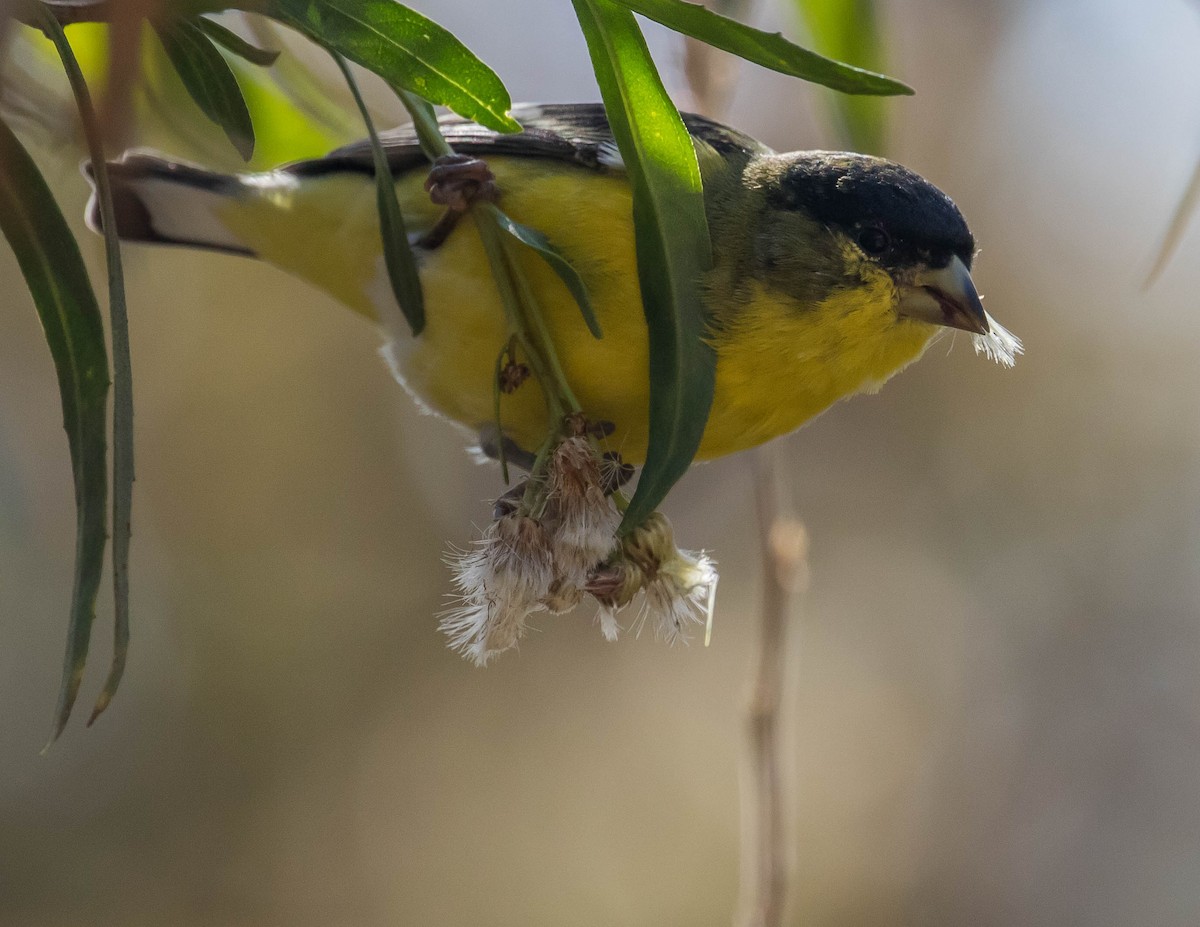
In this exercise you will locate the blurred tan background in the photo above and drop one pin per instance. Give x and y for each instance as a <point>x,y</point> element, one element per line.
<point>997,712</point>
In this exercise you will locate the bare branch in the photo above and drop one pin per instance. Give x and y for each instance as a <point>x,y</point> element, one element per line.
<point>710,72</point>
<point>768,803</point>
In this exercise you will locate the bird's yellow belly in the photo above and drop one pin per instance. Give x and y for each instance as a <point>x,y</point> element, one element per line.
<point>451,366</point>
<point>779,364</point>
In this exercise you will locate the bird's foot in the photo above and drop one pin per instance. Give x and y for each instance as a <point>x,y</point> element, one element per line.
<point>456,181</point>
<point>577,425</point>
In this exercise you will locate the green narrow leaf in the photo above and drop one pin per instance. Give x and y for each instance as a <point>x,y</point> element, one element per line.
<point>123,469</point>
<point>1178,225</point>
<point>769,49</point>
<point>397,255</point>
<point>425,123</point>
<point>209,81</point>
<point>404,48</point>
<point>307,93</point>
<point>673,248</point>
<point>849,30</point>
<point>534,239</point>
<point>54,271</point>
<point>234,43</point>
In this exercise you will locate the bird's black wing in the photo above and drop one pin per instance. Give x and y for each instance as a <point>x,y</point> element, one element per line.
<point>573,132</point>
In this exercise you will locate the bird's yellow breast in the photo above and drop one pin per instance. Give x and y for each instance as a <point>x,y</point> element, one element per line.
<point>779,363</point>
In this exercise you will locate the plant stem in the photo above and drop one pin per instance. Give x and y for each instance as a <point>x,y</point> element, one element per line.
<point>767,799</point>
<point>517,301</point>
<point>768,803</point>
<point>123,466</point>
<point>525,319</point>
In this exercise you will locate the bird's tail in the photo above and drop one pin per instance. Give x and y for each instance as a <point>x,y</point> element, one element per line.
<point>168,202</point>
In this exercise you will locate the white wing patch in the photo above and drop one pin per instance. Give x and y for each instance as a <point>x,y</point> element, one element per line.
<point>608,154</point>
<point>184,213</point>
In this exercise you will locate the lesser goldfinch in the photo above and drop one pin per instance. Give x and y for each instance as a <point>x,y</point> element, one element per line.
<point>832,271</point>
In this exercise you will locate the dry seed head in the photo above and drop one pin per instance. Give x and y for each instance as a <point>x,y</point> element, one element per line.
<point>607,619</point>
<point>614,584</point>
<point>680,585</point>
<point>579,515</point>
<point>501,582</point>
<point>682,593</point>
<point>650,544</point>
<point>562,596</point>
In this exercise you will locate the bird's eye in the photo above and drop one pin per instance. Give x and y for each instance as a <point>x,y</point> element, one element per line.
<point>874,240</point>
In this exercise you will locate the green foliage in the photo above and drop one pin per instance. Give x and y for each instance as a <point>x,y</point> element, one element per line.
<point>772,50</point>
<point>53,268</point>
<point>849,31</point>
<point>235,44</point>
<point>673,248</point>
<point>397,255</point>
<point>534,239</point>
<point>405,49</point>
<point>209,80</point>
<point>123,475</point>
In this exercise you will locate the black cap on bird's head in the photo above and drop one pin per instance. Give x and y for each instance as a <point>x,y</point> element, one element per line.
<point>854,193</point>
<point>899,221</point>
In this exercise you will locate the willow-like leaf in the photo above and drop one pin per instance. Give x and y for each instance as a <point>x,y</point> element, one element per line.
<point>673,248</point>
<point>57,279</point>
<point>397,255</point>
<point>425,124</point>
<point>849,30</point>
<point>307,92</point>
<point>532,238</point>
<point>1179,223</point>
<point>234,43</point>
<point>769,49</point>
<point>406,49</point>
<point>123,469</point>
<point>209,81</point>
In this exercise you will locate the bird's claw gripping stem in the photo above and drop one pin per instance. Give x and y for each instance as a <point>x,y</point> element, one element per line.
<point>456,181</point>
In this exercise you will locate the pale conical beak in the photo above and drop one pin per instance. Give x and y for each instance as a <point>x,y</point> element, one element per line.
<point>944,296</point>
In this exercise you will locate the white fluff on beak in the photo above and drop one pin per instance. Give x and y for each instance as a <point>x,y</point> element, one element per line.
<point>999,344</point>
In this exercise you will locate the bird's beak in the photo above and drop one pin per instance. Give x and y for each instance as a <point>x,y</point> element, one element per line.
<point>944,296</point>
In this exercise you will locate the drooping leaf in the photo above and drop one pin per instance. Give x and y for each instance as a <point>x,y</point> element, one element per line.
<point>849,31</point>
<point>406,49</point>
<point>209,81</point>
<point>397,255</point>
<point>532,238</point>
<point>284,131</point>
<point>234,43</point>
<point>769,49</point>
<point>123,469</point>
<point>307,92</point>
<point>673,248</point>
<point>1179,223</point>
<point>57,279</point>
<point>425,122</point>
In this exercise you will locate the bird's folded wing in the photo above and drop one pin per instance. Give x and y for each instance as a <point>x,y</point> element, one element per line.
<point>573,132</point>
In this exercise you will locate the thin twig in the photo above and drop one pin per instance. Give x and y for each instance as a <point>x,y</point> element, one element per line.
<point>767,850</point>
<point>767,798</point>
<point>711,73</point>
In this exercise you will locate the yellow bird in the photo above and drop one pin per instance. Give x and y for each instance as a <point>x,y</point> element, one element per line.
<point>832,271</point>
